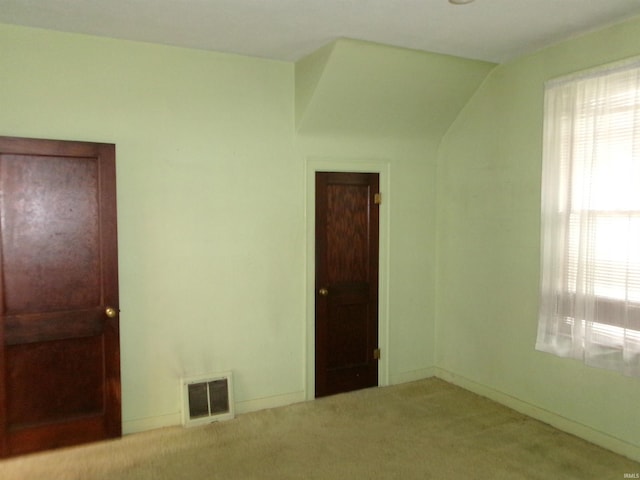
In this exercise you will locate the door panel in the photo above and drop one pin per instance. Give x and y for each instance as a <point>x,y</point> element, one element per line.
<point>59,350</point>
<point>346,281</point>
<point>47,266</point>
<point>37,398</point>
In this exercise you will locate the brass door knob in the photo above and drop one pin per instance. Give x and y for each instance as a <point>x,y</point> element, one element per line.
<point>324,292</point>
<point>110,312</point>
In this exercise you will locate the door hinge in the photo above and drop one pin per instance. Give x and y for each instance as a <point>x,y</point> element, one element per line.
<point>376,354</point>
<point>377,198</point>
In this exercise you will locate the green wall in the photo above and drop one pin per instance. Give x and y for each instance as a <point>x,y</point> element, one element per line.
<point>209,204</point>
<point>489,168</point>
<point>213,240</point>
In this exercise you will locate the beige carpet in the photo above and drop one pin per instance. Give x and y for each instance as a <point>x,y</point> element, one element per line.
<point>421,430</point>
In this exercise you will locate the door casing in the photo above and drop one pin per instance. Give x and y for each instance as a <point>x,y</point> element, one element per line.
<point>382,167</point>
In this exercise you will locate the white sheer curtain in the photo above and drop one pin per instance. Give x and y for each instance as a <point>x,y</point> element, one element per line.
<point>590,261</point>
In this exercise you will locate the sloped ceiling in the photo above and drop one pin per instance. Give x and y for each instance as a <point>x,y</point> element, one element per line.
<point>362,89</point>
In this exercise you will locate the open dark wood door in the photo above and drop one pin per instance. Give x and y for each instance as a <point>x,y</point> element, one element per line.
<point>346,331</point>
<point>59,331</point>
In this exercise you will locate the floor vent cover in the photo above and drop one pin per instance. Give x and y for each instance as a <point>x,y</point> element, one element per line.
<point>207,398</point>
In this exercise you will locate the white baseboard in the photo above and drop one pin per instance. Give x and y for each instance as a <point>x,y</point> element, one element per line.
<point>173,419</point>
<point>561,423</point>
<point>411,376</point>
<point>587,433</point>
<point>150,423</point>
<point>270,402</point>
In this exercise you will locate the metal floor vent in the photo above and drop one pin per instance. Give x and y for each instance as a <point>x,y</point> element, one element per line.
<point>207,398</point>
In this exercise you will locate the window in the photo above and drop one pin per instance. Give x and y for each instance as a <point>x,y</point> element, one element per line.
<point>590,261</point>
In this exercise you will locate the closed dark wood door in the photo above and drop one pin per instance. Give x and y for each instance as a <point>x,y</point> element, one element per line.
<point>346,327</point>
<point>59,332</point>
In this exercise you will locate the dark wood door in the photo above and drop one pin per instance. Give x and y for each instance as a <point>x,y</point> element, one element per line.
<point>347,224</point>
<point>59,332</point>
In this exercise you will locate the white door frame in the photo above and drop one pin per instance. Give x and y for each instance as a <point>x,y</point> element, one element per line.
<point>382,167</point>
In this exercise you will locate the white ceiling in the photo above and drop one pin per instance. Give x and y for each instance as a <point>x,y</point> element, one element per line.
<point>493,30</point>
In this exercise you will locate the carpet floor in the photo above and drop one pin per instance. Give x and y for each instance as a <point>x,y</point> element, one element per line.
<point>422,430</point>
